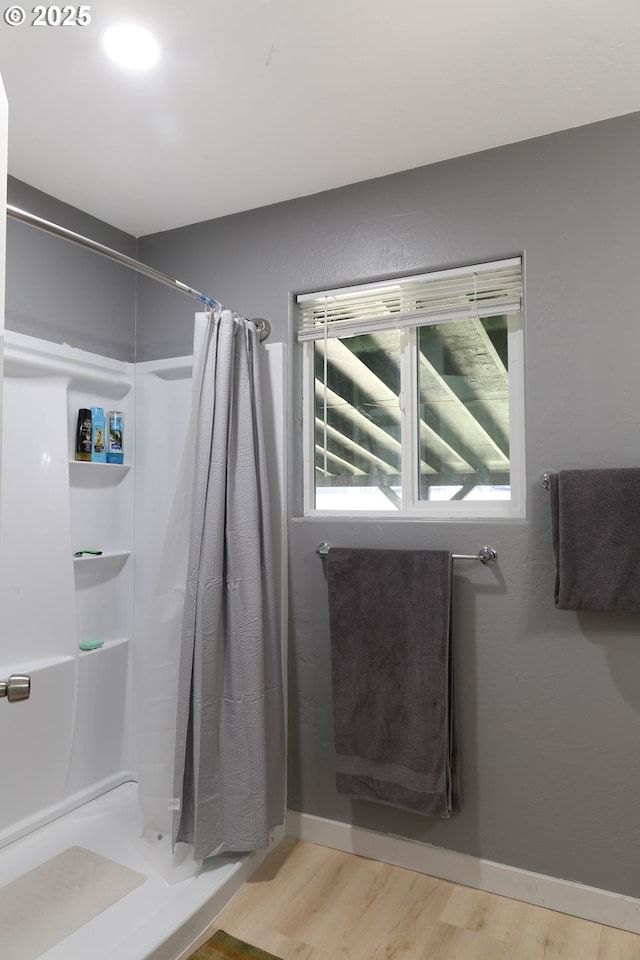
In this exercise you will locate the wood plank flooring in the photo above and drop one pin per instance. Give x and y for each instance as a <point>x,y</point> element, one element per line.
<point>312,903</point>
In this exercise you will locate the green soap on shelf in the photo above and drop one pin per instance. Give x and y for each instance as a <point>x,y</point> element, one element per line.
<point>91,644</point>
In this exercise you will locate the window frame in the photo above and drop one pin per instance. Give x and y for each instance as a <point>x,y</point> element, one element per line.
<point>412,507</point>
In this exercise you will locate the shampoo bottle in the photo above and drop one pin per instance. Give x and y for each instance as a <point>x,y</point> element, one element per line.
<point>115,437</point>
<point>83,434</point>
<point>98,444</point>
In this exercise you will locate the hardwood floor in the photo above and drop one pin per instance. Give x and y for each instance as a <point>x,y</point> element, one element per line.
<point>312,903</point>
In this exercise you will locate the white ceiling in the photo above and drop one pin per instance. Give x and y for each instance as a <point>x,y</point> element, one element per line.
<point>257,101</point>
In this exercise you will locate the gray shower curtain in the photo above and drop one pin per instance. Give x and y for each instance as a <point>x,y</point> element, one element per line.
<point>229,765</point>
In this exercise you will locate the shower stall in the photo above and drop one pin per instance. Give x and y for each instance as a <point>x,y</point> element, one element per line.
<point>72,753</point>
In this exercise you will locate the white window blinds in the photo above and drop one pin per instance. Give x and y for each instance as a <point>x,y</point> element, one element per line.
<point>483,290</point>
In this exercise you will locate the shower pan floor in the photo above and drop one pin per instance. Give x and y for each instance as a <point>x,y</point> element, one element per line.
<point>156,921</point>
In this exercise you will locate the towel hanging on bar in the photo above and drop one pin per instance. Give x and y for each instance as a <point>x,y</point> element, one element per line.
<point>392,678</point>
<point>595,521</point>
<point>486,555</point>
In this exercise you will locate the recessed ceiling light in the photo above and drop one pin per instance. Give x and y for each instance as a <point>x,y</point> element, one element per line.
<point>130,46</point>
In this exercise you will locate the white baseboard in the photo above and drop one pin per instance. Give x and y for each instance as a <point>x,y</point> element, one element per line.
<point>565,896</point>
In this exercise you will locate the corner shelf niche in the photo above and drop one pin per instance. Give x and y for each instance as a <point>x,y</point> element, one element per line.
<point>115,468</point>
<point>101,501</point>
<point>97,558</point>
<point>86,473</point>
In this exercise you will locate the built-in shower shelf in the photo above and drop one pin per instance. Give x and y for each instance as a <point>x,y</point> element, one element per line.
<point>107,645</point>
<point>107,555</point>
<point>82,466</point>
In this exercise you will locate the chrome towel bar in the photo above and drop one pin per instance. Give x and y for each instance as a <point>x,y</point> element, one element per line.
<point>486,555</point>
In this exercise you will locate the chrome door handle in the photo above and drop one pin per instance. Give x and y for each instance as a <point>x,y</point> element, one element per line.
<point>16,688</point>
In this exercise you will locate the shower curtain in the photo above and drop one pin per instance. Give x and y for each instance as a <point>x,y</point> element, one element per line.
<point>229,758</point>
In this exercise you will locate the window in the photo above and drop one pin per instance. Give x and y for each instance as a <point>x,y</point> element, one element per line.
<point>414,395</point>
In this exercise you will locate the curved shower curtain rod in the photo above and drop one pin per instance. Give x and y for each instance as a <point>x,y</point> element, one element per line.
<point>47,226</point>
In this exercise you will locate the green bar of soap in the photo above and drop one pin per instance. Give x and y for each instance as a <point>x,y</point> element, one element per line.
<point>91,644</point>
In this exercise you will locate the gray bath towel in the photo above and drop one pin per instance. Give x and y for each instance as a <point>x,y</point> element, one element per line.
<point>595,520</point>
<point>392,677</point>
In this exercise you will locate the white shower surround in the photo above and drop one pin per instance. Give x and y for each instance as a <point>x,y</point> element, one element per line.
<point>78,736</point>
<point>74,738</point>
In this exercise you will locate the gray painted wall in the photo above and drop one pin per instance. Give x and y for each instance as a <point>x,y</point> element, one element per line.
<point>60,292</point>
<point>548,701</point>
